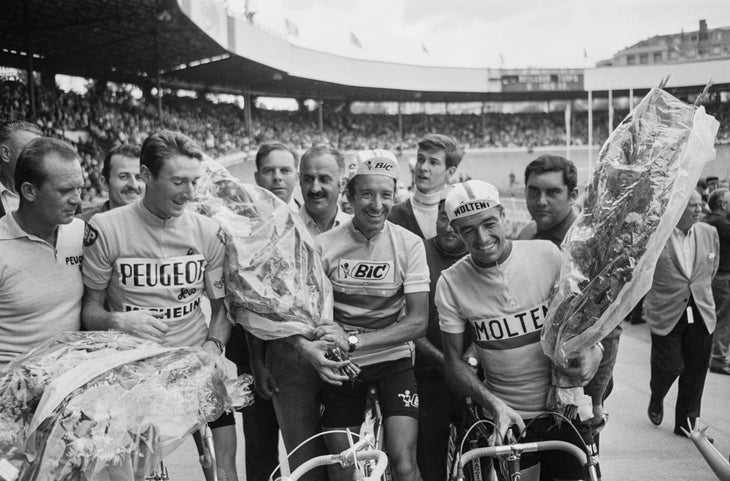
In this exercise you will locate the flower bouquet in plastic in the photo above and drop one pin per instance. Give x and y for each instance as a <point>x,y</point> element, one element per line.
<point>103,406</point>
<point>276,286</point>
<point>645,173</point>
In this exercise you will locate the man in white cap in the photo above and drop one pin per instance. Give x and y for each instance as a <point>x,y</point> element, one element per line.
<point>512,282</point>
<point>380,281</point>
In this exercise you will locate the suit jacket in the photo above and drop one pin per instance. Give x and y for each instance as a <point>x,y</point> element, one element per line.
<point>668,297</point>
<point>402,215</point>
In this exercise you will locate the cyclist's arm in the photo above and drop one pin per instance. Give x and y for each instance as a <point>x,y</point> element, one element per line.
<point>95,317</point>
<point>219,328</point>
<point>463,375</point>
<point>426,349</point>
<point>412,326</point>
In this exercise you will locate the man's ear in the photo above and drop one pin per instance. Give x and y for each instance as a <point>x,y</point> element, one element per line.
<point>450,173</point>
<point>4,153</point>
<point>104,182</point>
<point>146,174</point>
<point>28,191</point>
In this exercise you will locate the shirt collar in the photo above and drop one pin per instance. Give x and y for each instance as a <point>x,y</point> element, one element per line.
<point>340,217</point>
<point>557,233</point>
<point>152,219</point>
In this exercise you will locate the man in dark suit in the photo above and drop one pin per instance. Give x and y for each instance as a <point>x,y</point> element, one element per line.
<point>680,311</point>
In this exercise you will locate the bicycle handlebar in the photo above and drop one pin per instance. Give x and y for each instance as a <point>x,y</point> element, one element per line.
<point>345,458</point>
<point>493,451</point>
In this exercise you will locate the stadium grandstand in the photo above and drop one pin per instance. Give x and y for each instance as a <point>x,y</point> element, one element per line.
<point>163,47</point>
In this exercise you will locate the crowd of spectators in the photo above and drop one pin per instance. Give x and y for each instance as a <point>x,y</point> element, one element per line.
<point>101,118</point>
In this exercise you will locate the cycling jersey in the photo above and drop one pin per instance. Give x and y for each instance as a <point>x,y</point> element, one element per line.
<point>506,307</point>
<point>370,279</point>
<point>158,265</point>
<point>40,286</point>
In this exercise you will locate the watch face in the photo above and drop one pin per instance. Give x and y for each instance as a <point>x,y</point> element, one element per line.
<point>352,339</point>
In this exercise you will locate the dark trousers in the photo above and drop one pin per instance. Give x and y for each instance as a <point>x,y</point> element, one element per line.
<point>438,406</point>
<point>260,428</point>
<point>261,431</point>
<point>684,353</point>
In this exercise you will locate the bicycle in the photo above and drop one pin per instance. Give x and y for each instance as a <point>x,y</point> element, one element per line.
<point>373,425</point>
<point>360,451</point>
<point>511,454</point>
<point>471,430</point>
<point>206,452</point>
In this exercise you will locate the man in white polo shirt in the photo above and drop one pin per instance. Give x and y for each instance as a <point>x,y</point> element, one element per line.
<point>41,249</point>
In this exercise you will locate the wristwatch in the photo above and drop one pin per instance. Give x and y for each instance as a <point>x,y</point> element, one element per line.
<point>352,340</point>
<point>217,343</point>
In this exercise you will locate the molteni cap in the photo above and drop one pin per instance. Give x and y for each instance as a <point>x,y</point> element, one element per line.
<point>377,162</point>
<point>469,198</point>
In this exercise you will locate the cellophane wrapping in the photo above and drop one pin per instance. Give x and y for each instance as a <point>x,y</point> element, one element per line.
<point>102,405</point>
<point>276,286</point>
<point>645,173</point>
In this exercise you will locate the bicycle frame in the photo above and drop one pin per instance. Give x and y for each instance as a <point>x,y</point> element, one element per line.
<point>373,426</point>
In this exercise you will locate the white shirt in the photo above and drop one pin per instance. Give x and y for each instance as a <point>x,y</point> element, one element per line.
<point>9,199</point>
<point>311,224</point>
<point>685,245</point>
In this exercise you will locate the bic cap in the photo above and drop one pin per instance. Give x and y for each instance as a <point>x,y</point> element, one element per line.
<point>377,162</point>
<point>469,198</point>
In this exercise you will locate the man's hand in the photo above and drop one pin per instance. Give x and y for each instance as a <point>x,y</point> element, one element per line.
<point>504,417</point>
<point>333,334</point>
<point>314,353</point>
<point>264,382</point>
<point>144,324</point>
<point>578,368</point>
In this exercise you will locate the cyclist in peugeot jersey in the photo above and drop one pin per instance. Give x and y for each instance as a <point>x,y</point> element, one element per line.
<point>151,262</point>
<point>380,281</point>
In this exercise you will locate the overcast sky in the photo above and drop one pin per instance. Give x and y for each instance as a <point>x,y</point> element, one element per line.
<point>484,33</point>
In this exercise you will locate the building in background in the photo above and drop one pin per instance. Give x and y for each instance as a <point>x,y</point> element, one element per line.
<point>702,44</point>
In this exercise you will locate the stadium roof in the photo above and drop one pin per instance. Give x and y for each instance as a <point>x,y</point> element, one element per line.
<point>197,45</point>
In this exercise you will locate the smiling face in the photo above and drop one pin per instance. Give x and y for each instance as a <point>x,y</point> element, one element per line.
<point>548,199</point>
<point>278,174</point>
<point>56,200</point>
<point>446,236</point>
<point>431,172</point>
<point>125,181</point>
<point>372,200</point>
<point>320,183</point>
<point>484,236</point>
<point>169,192</point>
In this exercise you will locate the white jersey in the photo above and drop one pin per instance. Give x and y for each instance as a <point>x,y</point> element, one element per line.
<point>506,307</point>
<point>158,265</point>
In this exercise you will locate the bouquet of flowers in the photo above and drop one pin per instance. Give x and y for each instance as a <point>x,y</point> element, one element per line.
<point>276,286</point>
<point>103,405</point>
<point>645,173</point>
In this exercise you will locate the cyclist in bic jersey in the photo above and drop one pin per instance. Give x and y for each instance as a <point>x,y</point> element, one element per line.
<point>380,281</point>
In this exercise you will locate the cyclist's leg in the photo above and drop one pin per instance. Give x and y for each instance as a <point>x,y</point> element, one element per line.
<point>559,465</point>
<point>398,396</point>
<point>343,406</point>
<point>224,443</point>
<point>401,433</point>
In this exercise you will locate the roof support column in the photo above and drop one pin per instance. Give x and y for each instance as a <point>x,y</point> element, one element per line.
<point>321,117</point>
<point>568,133</point>
<point>159,80</point>
<point>590,133</point>
<point>400,123</point>
<point>247,110</point>
<point>29,54</point>
<point>610,111</point>
<point>631,99</point>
